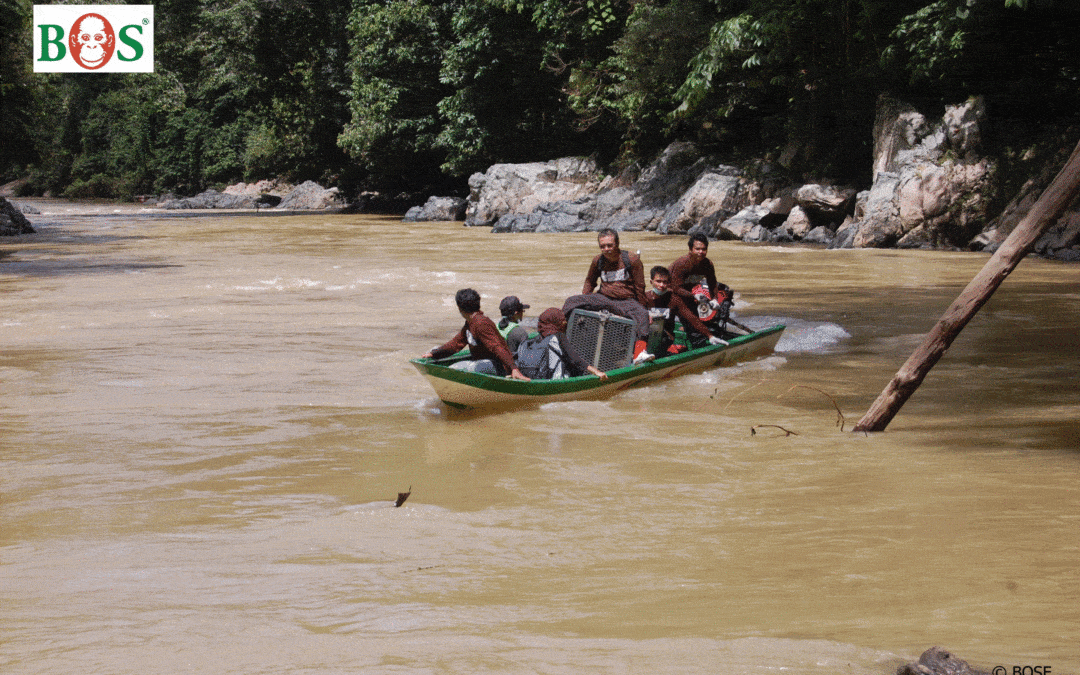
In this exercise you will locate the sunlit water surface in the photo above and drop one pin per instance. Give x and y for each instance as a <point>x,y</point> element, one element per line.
<point>205,421</point>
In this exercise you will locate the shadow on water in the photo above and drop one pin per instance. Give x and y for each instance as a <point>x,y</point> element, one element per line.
<point>57,251</point>
<point>56,268</point>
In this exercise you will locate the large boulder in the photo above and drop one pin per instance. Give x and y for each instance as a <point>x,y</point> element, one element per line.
<point>825,203</point>
<point>519,189</point>
<point>930,188</point>
<point>210,199</point>
<point>310,196</point>
<point>676,192</point>
<point>671,195</point>
<point>877,212</point>
<point>437,209</point>
<point>258,189</point>
<point>745,225</point>
<point>718,189</point>
<point>937,661</point>
<point>798,223</point>
<point>550,217</point>
<point>12,220</point>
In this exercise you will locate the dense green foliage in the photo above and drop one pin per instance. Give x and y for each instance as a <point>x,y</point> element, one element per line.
<point>413,95</point>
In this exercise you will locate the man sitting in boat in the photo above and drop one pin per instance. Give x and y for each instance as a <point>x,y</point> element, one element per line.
<point>513,311</point>
<point>660,300</point>
<point>551,356</point>
<point>622,288</point>
<point>487,348</point>
<point>694,286</point>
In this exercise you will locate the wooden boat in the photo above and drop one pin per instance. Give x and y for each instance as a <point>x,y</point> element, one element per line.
<point>460,389</point>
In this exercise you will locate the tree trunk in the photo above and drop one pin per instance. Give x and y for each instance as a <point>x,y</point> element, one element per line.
<point>1051,204</point>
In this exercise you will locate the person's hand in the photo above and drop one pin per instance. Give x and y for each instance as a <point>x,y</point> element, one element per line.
<point>713,340</point>
<point>516,374</point>
<point>597,372</point>
<point>714,305</point>
<point>426,356</point>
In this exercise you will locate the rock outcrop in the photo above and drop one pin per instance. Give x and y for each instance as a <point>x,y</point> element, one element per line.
<point>210,199</point>
<point>929,182</point>
<point>1062,240</point>
<point>937,661</point>
<point>308,196</point>
<point>930,188</point>
<point>519,189</point>
<point>671,195</point>
<point>12,220</point>
<point>437,209</point>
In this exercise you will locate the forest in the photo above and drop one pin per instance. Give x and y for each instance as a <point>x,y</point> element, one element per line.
<point>412,96</point>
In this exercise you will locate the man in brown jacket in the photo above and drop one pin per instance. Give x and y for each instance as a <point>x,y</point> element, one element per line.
<point>622,288</point>
<point>695,271</point>
<point>486,346</point>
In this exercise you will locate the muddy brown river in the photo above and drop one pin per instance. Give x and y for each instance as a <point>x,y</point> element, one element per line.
<point>204,422</point>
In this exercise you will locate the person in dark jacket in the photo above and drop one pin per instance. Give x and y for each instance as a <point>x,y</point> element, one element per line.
<point>487,348</point>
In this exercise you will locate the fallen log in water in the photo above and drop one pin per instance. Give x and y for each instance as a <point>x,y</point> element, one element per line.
<point>1051,204</point>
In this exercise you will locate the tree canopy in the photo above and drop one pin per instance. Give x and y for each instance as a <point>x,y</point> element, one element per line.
<point>413,95</point>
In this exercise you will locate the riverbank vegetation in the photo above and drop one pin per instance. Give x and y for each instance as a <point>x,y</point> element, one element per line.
<point>414,95</point>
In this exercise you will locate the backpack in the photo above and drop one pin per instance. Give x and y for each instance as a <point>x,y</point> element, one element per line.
<point>532,358</point>
<point>625,266</point>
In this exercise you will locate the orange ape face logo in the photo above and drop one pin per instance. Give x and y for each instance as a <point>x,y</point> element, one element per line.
<point>92,41</point>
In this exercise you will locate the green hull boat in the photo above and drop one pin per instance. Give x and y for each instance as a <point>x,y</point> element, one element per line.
<point>460,389</point>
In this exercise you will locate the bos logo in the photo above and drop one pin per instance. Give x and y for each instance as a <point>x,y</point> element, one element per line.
<point>93,38</point>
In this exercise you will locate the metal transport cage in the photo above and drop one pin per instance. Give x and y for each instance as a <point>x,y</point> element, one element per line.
<point>601,338</point>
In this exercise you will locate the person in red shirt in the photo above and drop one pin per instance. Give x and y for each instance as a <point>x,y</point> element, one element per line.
<point>486,346</point>
<point>622,288</point>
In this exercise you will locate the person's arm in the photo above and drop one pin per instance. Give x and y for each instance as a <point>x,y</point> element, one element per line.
<point>637,272</point>
<point>488,335</point>
<point>592,276</point>
<point>688,313</point>
<point>455,345</point>
<point>678,278</point>
<point>578,364</point>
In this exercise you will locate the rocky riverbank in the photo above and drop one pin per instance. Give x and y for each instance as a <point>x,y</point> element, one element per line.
<point>930,189</point>
<point>265,194</point>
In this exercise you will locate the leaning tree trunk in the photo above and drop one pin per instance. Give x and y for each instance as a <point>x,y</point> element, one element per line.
<point>1053,202</point>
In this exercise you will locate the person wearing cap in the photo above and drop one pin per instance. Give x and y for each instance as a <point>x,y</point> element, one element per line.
<point>481,336</point>
<point>513,311</point>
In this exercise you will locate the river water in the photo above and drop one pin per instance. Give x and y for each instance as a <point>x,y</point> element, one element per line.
<point>205,421</point>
